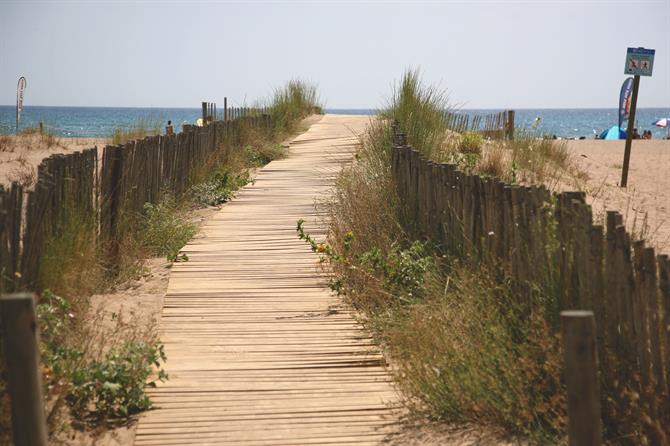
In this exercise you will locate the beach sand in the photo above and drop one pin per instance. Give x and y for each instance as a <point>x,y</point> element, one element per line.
<point>645,203</point>
<point>20,155</point>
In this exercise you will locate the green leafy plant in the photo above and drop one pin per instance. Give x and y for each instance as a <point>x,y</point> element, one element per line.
<point>114,385</point>
<point>219,188</point>
<point>471,142</point>
<point>95,384</point>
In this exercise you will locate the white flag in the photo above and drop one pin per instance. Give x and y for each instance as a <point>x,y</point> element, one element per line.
<point>20,88</point>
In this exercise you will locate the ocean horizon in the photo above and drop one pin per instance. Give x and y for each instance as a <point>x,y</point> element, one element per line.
<point>100,122</point>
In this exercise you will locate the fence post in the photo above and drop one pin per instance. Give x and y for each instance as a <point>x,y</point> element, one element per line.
<point>23,369</point>
<point>581,376</point>
<point>510,124</point>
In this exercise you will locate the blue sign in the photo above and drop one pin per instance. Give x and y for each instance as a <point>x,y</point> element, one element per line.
<point>639,61</point>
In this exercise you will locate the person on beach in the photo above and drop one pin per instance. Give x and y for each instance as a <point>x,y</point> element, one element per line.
<point>169,130</point>
<point>636,134</point>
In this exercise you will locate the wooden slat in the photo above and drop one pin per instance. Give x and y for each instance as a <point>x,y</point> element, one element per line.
<point>259,351</point>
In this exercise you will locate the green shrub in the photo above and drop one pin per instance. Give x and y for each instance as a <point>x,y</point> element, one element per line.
<point>164,230</point>
<point>219,188</point>
<point>96,379</point>
<point>258,155</point>
<point>471,142</point>
<point>113,386</point>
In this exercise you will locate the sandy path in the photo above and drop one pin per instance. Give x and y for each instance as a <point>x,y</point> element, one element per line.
<point>645,203</point>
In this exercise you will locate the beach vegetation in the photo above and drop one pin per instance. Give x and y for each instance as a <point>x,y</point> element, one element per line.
<point>6,143</point>
<point>97,374</point>
<point>292,102</point>
<point>460,350</point>
<point>139,129</point>
<point>46,136</point>
<point>164,229</point>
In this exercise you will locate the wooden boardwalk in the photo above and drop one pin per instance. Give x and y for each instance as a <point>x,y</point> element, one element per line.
<point>259,351</point>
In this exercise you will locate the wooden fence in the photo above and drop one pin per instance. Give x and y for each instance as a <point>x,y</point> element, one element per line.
<point>535,238</point>
<point>498,125</point>
<point>103,192</point>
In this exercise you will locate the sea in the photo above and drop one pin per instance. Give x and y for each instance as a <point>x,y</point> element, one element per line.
<point>100,122</point>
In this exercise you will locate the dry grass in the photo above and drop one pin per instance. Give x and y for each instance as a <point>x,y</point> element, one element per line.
<point>6,143</point>
<point>463,354</point>
<point>140,129</point>
<point>24,176</point>
<point>73,265</point>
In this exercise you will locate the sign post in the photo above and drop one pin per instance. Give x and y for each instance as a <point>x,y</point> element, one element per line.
<point>639,62</point>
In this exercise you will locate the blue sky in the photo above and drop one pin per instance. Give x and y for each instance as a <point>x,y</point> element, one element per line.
<point>487,54</point>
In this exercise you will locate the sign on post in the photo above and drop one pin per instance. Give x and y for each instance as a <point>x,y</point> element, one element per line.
<point>639,61</point>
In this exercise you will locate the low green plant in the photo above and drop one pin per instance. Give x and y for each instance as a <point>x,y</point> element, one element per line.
<point>114,385</point>
<point>259,155</point>
<point>97,380</point>
<point>219,188</point>
<point>471,142</point>
<point>164,229</point>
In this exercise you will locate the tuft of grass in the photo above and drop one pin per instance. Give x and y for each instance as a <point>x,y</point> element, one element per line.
<point>291,103</point>
<point>6,143</point>
<point>421,111</point>
<point>540,161</point>
<point>140,129</point>
<point>47,137</point>
<point>72,264</point>
<point>164,229</point>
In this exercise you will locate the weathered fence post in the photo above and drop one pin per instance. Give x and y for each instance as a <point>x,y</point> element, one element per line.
<point>23,369</point>
<point>578,331</point>
<point>510,125</point>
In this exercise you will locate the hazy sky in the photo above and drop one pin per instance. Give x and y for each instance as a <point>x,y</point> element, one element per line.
<point>488,54</point>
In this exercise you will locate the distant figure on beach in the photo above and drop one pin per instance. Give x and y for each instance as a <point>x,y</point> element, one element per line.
<point>636,134</point>
<point>646,134</point>
<point>169,130</point>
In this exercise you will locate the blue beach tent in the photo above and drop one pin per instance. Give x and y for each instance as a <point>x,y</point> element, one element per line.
<point>613,133</point>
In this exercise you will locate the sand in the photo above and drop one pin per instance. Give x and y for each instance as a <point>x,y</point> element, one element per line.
<point>645,203</point>
<point>20,155</point>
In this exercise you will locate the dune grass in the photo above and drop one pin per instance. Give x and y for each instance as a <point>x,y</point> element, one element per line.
<point>292,102</point>
<point>139,129</point>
